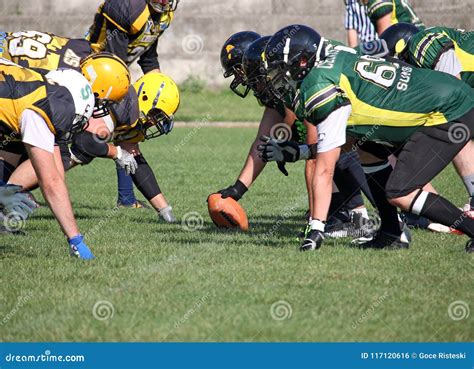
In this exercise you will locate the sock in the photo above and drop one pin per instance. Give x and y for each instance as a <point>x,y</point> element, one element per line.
<point>469,183</point>
<point>377,177</point>
<point>125,188</point>
<point>440,210</point>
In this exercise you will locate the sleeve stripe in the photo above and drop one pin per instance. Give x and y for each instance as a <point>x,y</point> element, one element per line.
<point>424,45</point>
<point>321,99</point>
<point>373,8</point>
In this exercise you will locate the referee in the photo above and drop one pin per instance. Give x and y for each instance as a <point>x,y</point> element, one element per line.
<point>357,23</point>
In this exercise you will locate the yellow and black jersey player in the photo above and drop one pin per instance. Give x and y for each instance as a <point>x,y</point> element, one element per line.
<point>130,29</point>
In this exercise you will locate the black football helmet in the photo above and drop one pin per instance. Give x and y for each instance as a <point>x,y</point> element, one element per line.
<point>397,38</point>
<point>231,60</point>
<point>254,69</point>
<point>290,55</point>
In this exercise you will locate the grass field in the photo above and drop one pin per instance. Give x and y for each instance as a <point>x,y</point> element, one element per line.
<point>158,282</point>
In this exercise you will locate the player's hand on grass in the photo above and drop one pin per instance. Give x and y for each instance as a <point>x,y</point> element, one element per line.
<point>79,249</point>
<point>15,202</point>
<point>126,161</point>
<point>167,214</point>
<point>313,241</point>
<point>288,151</point>
<point>236,191</point>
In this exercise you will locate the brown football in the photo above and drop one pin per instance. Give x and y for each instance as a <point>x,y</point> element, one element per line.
<point>227,212</point>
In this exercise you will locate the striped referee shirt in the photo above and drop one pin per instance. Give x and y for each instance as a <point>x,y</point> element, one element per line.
<point>357,18</point>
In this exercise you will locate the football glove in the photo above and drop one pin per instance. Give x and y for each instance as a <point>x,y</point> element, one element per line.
<point>126,161</point>
<point>236,191</point>
<point>282,168</point>
<point>288,151</point>
<point>167,214</point>
<point>15,202</point>
<point>313,241</point>
<point>77,248</point>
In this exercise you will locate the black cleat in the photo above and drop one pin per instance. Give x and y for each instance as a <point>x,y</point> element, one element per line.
<point>358,227</point>
<point>470,246</point>
<point>313,241</point>
<point>383,240</point>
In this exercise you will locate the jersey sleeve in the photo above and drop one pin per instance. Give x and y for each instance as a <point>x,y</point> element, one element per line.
<point>332,131</point>
<point>35,131</point>
<point>149,59</point>
<point>449,63</point>
<point>319,101</point>
<point>426,49</point>
<point>376,9</point>
<point>349,17</point>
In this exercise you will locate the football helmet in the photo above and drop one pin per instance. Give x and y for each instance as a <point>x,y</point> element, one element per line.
<point>158,101</point>
<point>231,60</point>
<point>163,6</point>
<point>254,70</point>
<point>397,38</point>
<point>109,78</point>
<point>82,95</point>
<point>290,55</point>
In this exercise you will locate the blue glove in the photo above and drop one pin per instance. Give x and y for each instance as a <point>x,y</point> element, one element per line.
<point>79,249</point>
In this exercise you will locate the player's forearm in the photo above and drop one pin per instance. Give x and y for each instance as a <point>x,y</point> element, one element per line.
<point>56,194</point>
<point>352,38</point>
<point>253,166</point>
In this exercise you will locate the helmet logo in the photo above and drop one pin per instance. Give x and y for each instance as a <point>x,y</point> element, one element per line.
<point>229,48</point>
<point>286,50</point>
<point>400,46</point>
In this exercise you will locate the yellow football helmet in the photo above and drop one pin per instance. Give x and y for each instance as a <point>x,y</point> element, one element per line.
<point>109,78</point>
<point>158,101</point>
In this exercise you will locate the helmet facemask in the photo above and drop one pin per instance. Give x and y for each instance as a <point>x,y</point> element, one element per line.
<point>239,84</point>
<point>163,6</point>
<point>156,123</point>
<point>101,108</point>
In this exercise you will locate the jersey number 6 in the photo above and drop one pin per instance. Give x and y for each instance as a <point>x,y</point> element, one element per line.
<point>377,71</point>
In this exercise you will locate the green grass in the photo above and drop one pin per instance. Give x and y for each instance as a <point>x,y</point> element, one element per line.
<point>169,284</point>
<point>217,106</point>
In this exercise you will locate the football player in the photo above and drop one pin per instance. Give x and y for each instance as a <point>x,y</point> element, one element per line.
<point>378,101</point>
<point>45,52</point>
<point>384,13</point>
<point>131,29</point>
<point>145,113</point>
<point>36,110</point>
<point>442,49</point>
<point>241,58</point>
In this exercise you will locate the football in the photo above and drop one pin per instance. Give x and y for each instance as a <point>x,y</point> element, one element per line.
<point>227,213</point>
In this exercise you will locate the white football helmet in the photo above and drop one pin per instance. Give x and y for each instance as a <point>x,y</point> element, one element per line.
<point>81,91</point>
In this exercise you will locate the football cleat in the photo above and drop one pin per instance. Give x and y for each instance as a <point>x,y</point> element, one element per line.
<point>313,241</point>
<point>136,205</point>
<point>384,240</point>
<point>359,227</point>
<point>470,246</point>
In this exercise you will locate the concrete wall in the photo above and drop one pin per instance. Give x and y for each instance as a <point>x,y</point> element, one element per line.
<point>192,45</point>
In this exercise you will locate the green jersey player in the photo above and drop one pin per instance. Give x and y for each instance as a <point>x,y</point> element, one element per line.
<point>379,102</point>
<point>384,13</point>
<point>443,49</point>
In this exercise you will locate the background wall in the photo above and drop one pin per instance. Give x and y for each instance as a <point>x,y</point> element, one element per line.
<point>192,45</point>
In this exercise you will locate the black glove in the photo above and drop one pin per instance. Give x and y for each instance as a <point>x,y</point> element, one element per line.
<point>288,151</point>
<point>236,191</point>
<point>281,168</point>
<point>313,241</point>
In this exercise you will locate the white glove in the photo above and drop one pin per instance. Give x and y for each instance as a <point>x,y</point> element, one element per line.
<point>126,161</point>
<point>16,202</point>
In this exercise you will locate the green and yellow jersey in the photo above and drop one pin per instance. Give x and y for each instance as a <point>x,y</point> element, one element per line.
<point>400,11</point>
<point>44,52</point>
<point>21,89</point>
<point>130,30</point>
<point>426,47</point>
<point>389,100</point>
